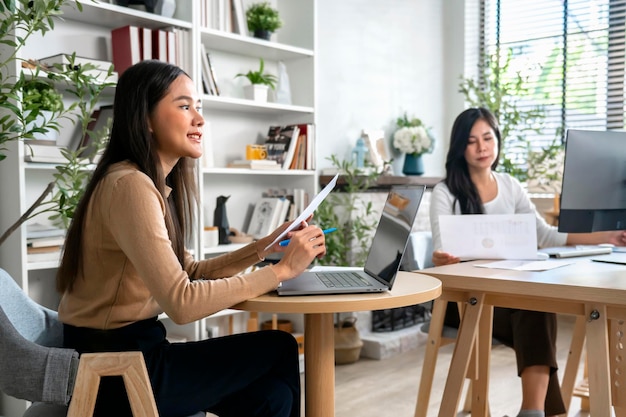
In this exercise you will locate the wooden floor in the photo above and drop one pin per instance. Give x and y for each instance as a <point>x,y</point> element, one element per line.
<point>372,388</point>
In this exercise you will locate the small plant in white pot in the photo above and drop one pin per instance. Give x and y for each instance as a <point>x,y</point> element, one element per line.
<point>260,83</point>
<point>41,104</point>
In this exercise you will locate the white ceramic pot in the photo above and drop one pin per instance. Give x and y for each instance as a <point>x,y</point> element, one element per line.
<point>256,92</point>
<point>42,118</point>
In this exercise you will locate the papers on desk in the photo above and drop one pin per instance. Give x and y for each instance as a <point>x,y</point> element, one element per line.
<point>526,265</point>
<point>489,236</point>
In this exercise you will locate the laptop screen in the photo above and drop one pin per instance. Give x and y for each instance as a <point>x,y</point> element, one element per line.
<point>392,233</point>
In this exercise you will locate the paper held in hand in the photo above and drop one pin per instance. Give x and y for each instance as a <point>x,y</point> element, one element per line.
<point>307,211</point>
<point>489,236</point>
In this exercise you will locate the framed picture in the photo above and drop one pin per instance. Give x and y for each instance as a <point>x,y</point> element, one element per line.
<point>378,153</point>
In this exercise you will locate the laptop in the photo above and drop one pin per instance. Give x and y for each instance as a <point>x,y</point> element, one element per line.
<point>383,259</point>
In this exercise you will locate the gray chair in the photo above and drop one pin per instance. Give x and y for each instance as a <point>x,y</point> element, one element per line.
<point>35,368</point>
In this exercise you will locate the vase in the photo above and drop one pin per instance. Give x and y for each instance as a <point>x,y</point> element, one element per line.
<point>262,34</point>
<point>256,92</point>
<point>413,165</point>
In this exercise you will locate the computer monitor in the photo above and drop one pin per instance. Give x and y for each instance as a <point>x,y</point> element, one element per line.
<point>593,195</point>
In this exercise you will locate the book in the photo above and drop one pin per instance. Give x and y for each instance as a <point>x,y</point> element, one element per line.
<point>213,76</point>
<point>289,135</point>
<point>54,256</point>
<point>39,230</point>
<point>41,242</point>
<point>145,35</point>
<point>126,47</point>
<point>278,141</point>
<point>159,44</point>
<point>254,164</point>
<point>43,249</point>
<point>264,217</point>
<point>171,46</point>
<point>284,211</point>
<point>207,78</point>
<point>36,152</point>
<point>239,19</point>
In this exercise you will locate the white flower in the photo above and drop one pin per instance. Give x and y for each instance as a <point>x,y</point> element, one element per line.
<point>412,140</point>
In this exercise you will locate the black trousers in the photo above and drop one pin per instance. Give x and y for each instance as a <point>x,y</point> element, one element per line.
<point>250,374</point>
<point>532,334</point>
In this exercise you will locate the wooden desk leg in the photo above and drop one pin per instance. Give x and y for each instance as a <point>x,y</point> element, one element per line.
<point>480,386</point>
<point>461,356</point>
<point>598,360</point>
<point>430,356</point>
<point>319,365</point>
<point>617,366</point>
<point>573,361</point>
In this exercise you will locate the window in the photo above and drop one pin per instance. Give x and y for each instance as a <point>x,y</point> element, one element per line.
<point>571,52</point>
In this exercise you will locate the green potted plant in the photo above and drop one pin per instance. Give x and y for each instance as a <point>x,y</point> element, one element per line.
<point>260,83</point>
<point>262,20</point>
<point>350,213</point>
<point>41,103</point>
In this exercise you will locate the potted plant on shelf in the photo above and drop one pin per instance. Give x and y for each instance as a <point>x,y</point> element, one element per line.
<point>260,83</point>
<point>263,20</point>
<point>413,139</point>
<point>41,104</point>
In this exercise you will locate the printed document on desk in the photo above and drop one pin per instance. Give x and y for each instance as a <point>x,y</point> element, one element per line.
<point>489,236</point>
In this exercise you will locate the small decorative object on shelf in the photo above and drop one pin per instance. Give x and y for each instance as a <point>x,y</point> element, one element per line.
<point>148,4</point>
<point>262,20</point>
<point>260,83</point>
<point>359,152</point>
<point>413,139</point>
<point>220,219</point>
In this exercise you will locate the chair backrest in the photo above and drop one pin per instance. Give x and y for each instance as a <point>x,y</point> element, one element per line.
<point>34,322</point>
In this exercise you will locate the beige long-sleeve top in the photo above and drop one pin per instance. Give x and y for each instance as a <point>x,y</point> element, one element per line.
<point>130,271</point>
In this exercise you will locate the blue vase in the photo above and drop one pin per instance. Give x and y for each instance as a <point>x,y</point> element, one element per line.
<point>413,165</point>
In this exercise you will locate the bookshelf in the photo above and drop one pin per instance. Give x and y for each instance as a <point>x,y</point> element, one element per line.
<point>232,122</point>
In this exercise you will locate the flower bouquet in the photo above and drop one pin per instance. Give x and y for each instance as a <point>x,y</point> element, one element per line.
<point>413,139</point>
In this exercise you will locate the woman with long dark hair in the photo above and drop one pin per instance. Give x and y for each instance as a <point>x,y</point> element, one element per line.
<point>124,263</point>
<point>472,186</point>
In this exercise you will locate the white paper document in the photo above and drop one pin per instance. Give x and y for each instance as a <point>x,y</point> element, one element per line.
<point>489,236</point>
<point>526,265</point>
<point>310,209</point>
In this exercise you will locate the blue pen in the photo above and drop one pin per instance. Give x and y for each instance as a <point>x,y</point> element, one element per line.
<point>329,230</point>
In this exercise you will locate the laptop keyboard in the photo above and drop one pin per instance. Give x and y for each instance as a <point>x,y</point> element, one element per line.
<point>342,279</point>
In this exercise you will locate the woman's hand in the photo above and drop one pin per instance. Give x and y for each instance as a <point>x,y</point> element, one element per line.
<point>617,238</point>
<point>444,258</point>
<point>263,242</point>
<point>304,246</point>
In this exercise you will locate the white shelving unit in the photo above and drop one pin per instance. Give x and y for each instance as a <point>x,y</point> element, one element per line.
<point>232,121</point>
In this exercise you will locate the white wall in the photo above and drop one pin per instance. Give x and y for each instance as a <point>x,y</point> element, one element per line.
<point>376,60</point>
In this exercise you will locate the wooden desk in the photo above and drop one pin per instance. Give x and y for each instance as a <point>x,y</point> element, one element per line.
<point>319,347</point>
<point>593,291</point>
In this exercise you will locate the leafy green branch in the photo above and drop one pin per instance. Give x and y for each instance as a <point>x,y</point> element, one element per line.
<point>500,91</point>
<point>350,213</point>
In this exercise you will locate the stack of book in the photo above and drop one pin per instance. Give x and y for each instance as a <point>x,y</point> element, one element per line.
<point>43,242</point>
<point>292,146</point>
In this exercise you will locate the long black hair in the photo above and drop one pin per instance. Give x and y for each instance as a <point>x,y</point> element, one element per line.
<point>457,173</point>
<point>139,90</point>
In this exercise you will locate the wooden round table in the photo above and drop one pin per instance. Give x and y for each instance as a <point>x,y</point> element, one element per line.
<point>319,347</point>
